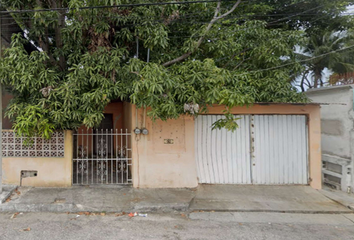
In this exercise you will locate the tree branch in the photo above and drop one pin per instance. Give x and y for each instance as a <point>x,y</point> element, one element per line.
<point>302,82</point>
<point>308,82</point>
<point>201,39</point>
<point>44,44</point>
<point>57,30</point>
<point>304,77</point>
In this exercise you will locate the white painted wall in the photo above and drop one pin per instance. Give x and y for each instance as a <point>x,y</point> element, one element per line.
<point>336,127</point>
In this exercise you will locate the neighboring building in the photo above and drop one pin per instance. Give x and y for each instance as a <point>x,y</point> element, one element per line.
<point>337,126</point>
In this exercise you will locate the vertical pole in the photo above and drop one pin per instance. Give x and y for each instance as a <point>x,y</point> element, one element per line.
<point>148,56</point>
<point>137,46</point>
<point>0,108</point>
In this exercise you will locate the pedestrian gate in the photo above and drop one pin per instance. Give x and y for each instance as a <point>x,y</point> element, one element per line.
<point>265,149</point>
<point>102,157</point>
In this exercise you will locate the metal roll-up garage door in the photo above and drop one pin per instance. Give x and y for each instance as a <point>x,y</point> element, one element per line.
<point>222,156</point>
<point>265,149</point>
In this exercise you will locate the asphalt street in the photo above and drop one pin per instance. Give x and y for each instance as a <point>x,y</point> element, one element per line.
<point>197,225</point>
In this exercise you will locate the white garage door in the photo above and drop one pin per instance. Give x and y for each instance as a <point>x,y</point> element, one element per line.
<point>265,149</point>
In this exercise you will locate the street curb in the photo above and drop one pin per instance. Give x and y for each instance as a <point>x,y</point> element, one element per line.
<point>273,211</point>
<point>164,207</point>
<point>72,208</point>
<point>6,194</point>
<point>336,197</point>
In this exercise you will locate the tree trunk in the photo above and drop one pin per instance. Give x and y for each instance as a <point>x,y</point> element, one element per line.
<point>318,76</point>
<point>302,83</point>
<point>57,29</point>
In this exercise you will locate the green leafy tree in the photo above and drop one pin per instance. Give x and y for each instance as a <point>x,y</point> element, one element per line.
<point>328,51</point>
<point>310,16</point>
<point>165,57</point>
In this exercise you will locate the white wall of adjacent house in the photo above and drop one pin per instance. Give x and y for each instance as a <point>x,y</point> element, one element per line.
<point>337,134</point>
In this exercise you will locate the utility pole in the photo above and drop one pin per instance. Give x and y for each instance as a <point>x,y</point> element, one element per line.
<point>0,107</point>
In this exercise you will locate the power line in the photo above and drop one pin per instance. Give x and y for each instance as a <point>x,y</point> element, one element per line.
<point>193,15</point>
<point>116,6</point>
<point>300,61</point>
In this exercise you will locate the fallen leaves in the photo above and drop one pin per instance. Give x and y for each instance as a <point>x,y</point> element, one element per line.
<point>78,214</point>
<point>85,213</point>
<point>14,215</point>
<point>26,229</point>
<point>120,214</point>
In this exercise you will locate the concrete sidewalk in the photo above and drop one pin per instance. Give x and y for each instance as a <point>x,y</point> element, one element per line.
<point>98,199</point>
<point>257,198</point>
<point>345,199</point>
<point>228,198</point>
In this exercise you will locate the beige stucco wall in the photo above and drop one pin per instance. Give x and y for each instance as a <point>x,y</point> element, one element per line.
<point>158,165</point>
<point>52,172</point>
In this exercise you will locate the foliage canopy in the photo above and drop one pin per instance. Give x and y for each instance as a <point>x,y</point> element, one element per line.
<point>162,57</point>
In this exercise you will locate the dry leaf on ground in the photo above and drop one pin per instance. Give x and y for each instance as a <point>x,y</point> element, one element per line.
<point>26,229</point>
<point>14,215</point>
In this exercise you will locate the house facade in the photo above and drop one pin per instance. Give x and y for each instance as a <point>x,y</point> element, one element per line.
<point>275,144</point>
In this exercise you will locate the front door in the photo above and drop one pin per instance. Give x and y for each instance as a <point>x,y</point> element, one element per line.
<point>104,144</point>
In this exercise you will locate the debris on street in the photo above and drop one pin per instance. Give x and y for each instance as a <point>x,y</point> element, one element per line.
<point>14,215</point>
<point>133,214</point>
<point>26,229</point>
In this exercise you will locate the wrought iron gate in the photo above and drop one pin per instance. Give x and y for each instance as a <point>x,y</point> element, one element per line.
<point>102,157</point>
